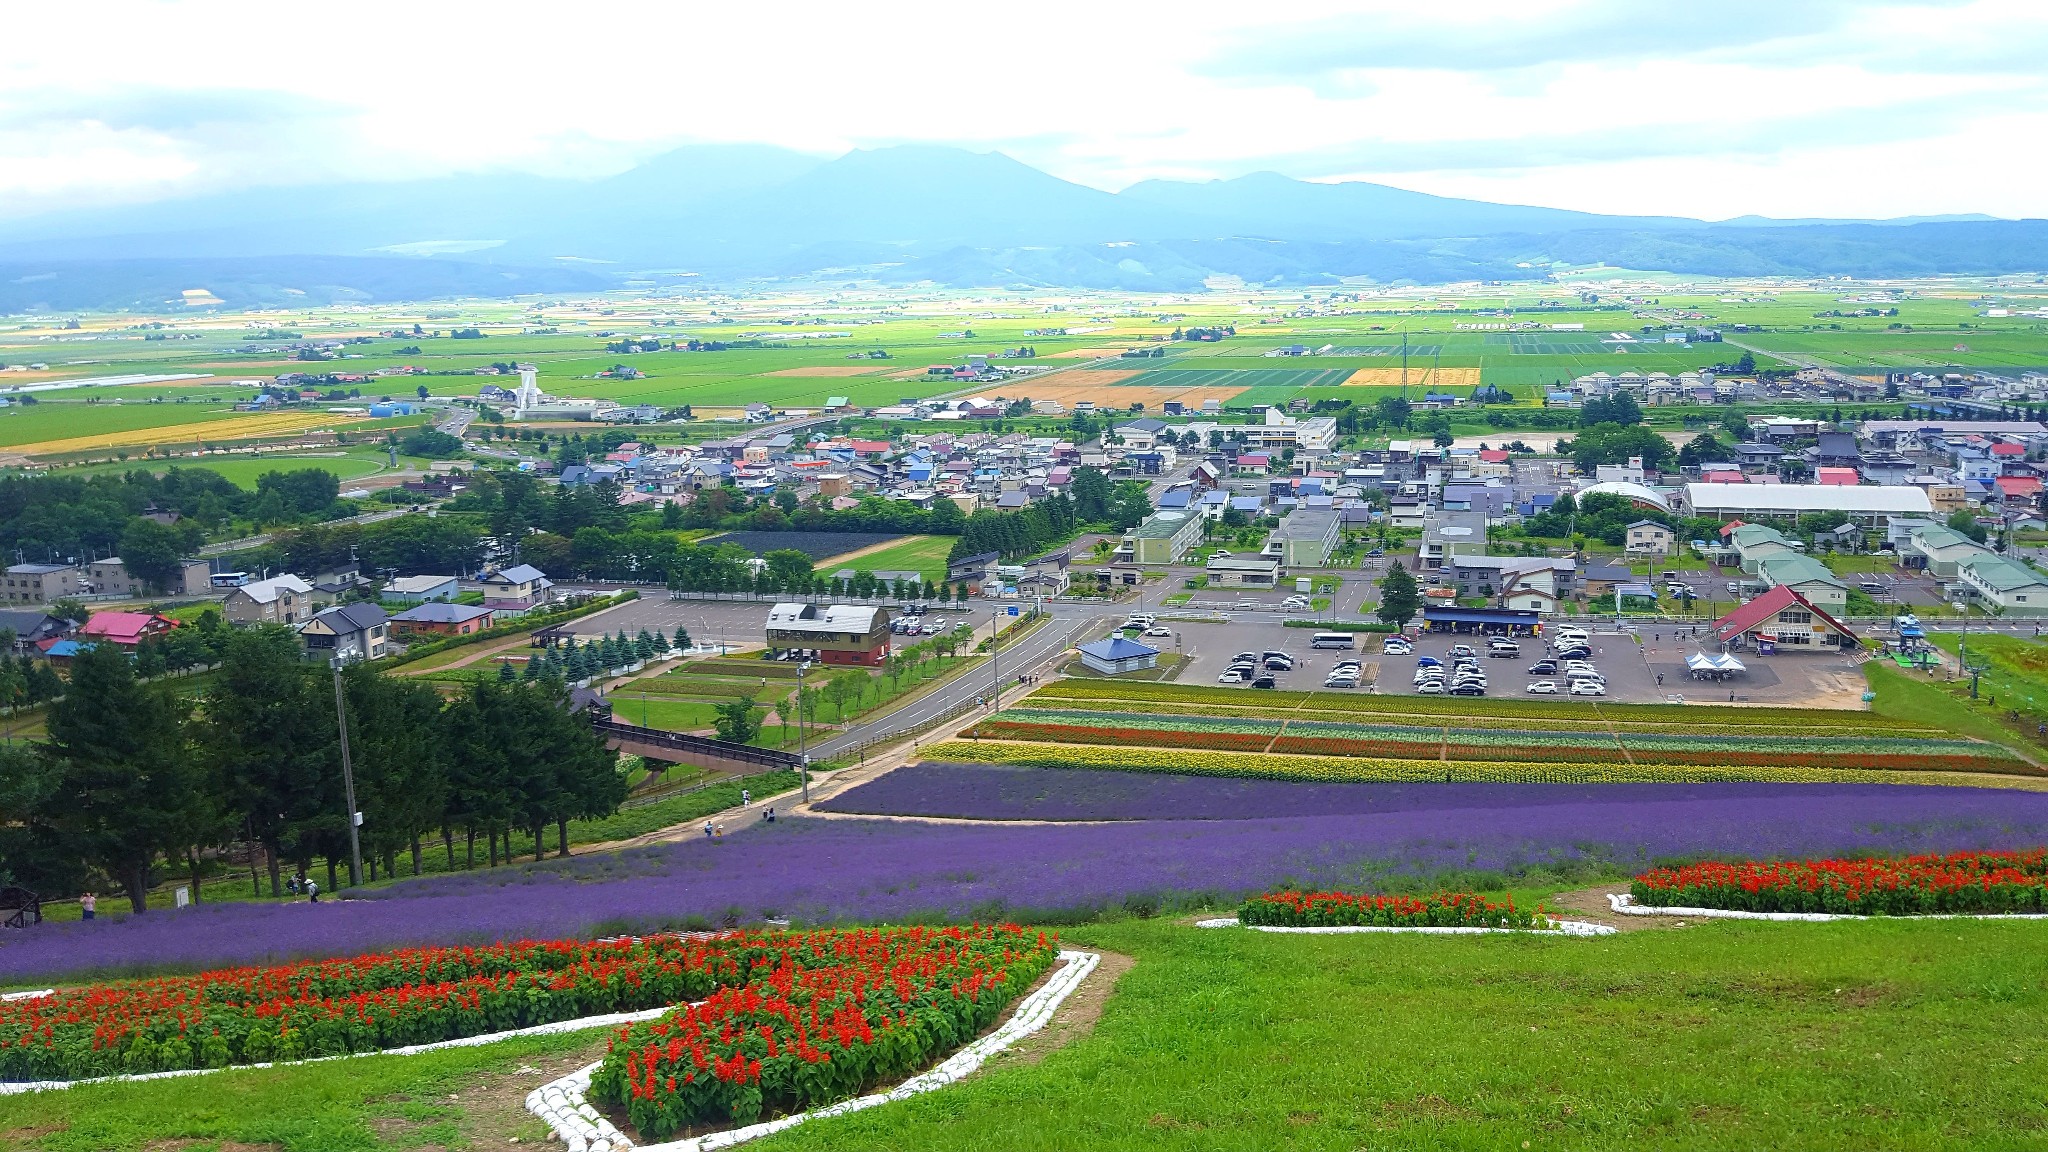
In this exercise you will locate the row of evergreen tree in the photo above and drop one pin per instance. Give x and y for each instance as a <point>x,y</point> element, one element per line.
<point>136,780</point>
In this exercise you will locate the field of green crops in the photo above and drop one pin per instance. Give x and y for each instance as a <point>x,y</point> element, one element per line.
<point>812,347</point>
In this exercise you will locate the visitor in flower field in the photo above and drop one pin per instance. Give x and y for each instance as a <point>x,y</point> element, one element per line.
<point>88,905</point>
<point>312,890</point>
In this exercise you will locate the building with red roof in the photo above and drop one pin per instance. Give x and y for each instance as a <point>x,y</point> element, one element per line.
<point>2017,487</point>
<point>1842,477</point>
<point>126,629</point>
<point>1782,618</point>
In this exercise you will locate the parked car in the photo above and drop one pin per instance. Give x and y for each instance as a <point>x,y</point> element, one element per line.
<point>1341,682</point>
<point>1462,650</point>
<point>1352,666</point>
<point>1252,656</point>
<point>1543,668</point>
<point>1588,688</point>
<point>1279,664</point>
<point>1156,630</point>
<point>1543,688</point>
<point>1573,653</point>
<point>1295,602</point>
<point>1508,652</point>
<point>1265,682</point>
<point>1428,662</point>
<point>1468,690</point>
<point>1430,688</point>
<point>1233,676</point>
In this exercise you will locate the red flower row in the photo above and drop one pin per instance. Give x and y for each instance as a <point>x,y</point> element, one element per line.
<point>1292,909</point>
<point>1968,882</point>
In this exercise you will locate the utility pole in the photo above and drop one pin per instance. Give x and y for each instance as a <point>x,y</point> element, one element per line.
<point>995,636</point>
<point>803,766</point>
<point>348,783</point>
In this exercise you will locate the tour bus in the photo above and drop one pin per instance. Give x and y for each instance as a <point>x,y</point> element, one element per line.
<point>1331,640</point>
<point>228,579</point>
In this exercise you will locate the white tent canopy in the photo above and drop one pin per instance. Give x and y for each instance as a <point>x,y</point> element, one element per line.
<point>1703,666</point>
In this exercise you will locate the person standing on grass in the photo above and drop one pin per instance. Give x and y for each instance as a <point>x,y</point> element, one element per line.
<point>88,906</point>
<point>312,890</point>
<point>746,797</point>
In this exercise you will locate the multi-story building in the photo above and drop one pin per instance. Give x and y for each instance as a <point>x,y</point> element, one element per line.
<point>285,599</point>
<point>1162,539</point>
<point>41,583</point>
<point>838,633</point>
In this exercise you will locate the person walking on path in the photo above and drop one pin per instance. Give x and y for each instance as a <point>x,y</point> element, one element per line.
<point>746,797</point>
<point>88,906</point>
<point>707,830</point>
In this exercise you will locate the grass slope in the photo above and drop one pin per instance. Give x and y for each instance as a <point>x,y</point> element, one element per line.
<point>1876,1035</point>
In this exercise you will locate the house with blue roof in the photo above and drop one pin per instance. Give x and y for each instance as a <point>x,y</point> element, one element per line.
<point>1116,656</point>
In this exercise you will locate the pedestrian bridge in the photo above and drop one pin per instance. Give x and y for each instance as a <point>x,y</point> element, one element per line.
<point>702,751</point>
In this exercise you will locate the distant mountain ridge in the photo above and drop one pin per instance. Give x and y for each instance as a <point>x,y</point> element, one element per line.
<point>917,213</point>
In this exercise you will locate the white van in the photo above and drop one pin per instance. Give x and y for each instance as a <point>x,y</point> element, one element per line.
<point>1331,640</point>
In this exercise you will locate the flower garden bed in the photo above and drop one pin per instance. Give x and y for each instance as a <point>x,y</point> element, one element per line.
<point>1292,909</point>
<point>1459,711</point>
<point>1523,745</point>
<point>1960,883</point>
<point>1555,768</point>
<point>416,997</point>
<point>824,1017</point>
<point>1445,913</point>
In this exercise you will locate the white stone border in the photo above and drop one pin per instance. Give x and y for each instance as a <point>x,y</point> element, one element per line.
<point>1625,904</point>
<point>35,995</point>
<point>610,1020</point>
<point>1561,928</point>
<point>560,1104</point>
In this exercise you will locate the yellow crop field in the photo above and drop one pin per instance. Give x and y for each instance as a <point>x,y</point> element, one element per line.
<point>1417,377</point>
<point>205,431</point>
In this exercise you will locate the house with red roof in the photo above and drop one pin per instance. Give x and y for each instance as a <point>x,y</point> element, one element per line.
<point>1782,618</point>
<point>126,629</point>
<point>2019,488</point>
<point>1840,477</point>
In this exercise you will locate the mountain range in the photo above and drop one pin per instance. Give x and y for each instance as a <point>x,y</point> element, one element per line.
<point>908,214</point>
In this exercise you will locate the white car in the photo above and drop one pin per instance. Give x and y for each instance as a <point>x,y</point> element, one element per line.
<point>1578,666</point>
<point>1220,554</point>
<point>1588,688</point>
<point>1234,676</point>
<point>1430,688</point>
<point>1156,630</point>
<point>1543,688</point>
<point>1341,682</point>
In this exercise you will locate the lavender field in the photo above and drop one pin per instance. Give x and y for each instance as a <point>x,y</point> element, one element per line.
<point>851,870</point>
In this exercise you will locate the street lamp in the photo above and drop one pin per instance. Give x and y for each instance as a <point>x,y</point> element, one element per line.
<point>995,636</point>
<point>348,781</point>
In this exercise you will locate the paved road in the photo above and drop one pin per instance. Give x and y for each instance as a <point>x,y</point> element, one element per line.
<point>1071,624</point>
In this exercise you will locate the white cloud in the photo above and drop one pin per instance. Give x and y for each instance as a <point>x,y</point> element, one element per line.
<point>1812,108</point>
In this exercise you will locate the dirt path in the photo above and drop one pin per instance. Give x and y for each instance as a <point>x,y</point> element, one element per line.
<point>1590,904</point>
<point>1077,1014</point>
<point>483,651</point>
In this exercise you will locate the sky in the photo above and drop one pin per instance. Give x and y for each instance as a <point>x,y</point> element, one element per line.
<point>1784,108</point>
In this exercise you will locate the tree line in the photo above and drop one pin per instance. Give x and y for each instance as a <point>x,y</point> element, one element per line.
<point>137,782</point>
<point>67,518</point>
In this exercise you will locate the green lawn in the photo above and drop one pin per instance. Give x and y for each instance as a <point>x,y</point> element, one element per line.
<point>926,554</point>
<point>1714,1036</point>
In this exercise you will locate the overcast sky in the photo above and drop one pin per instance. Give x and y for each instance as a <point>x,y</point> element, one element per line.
<point>1778,107</point>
